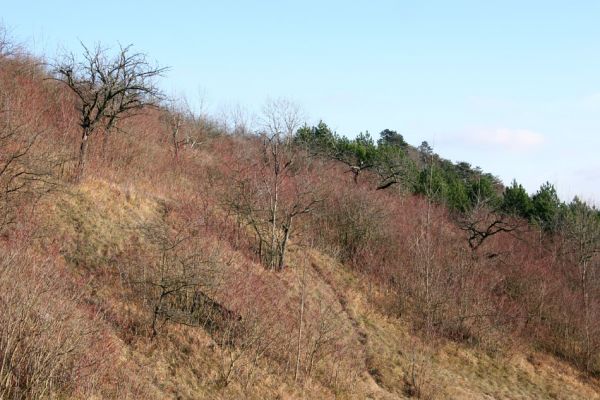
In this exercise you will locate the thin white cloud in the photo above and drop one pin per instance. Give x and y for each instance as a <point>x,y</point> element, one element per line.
<point>518,140</point>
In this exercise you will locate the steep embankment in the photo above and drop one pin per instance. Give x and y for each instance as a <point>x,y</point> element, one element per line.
<point>373,356</point>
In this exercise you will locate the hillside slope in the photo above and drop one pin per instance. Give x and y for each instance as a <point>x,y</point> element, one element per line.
<point>379,357</point>
<point>155,275</point>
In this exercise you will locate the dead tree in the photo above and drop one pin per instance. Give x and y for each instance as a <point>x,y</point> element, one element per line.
<point>107,90</point>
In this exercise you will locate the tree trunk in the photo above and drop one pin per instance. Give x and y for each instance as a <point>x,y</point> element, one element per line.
<point>286,235</point>
<point>176,142</point>
<point>83,150</point>
<point>156,314</point>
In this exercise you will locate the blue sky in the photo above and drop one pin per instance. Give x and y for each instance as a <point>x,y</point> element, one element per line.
<point>511,86</point>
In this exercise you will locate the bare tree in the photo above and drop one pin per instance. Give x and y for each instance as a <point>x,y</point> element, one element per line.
<point>279,162</point>
<point>107,89</point>
<point>281,119</point>
<point>7,46</point>
<point>272,186</point>
<point>175,116</point>
<point>482,223</point>
<point>238,120</point>
<point>173,277</point>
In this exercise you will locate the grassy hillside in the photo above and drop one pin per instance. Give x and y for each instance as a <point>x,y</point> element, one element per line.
<point>163,274</point>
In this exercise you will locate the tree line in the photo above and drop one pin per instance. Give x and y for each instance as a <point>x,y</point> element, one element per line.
<point>459,186</point>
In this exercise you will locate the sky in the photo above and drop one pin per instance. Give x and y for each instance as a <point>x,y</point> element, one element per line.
<point>510,86</point>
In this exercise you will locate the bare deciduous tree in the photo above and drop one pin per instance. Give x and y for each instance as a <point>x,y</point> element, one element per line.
<point>281,118</point>
<point>482,223</point>
<point>107,89</point>
<point>175,116</point>
<point>7,46</point>
<point>172,277</point>
<point>238,120</point>
<point>275,189</point>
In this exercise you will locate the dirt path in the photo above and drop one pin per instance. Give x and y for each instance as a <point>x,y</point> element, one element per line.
<point>371,378</point>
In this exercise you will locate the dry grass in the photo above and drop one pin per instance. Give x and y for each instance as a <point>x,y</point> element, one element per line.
<point>404,365</point>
